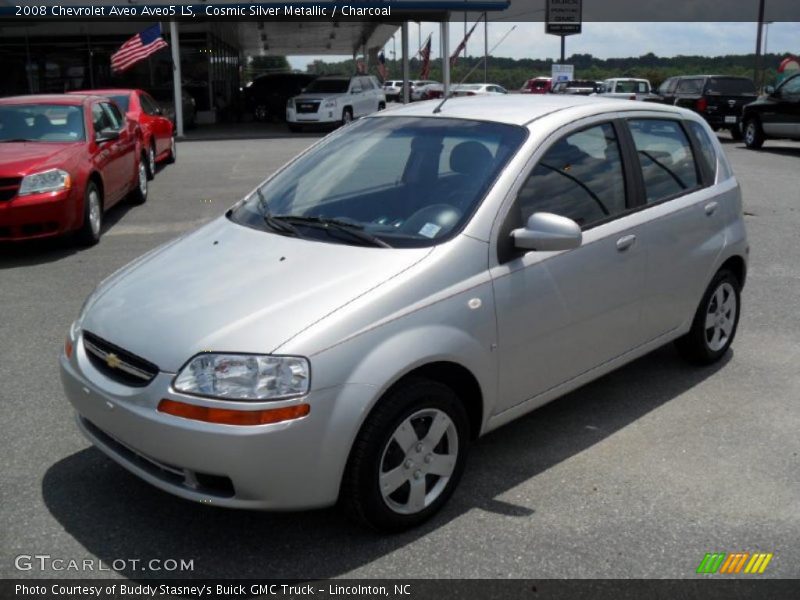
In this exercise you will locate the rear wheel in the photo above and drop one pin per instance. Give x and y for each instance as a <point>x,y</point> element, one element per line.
<point>715,322</point>
<point>753,134</point>
<point>295,128</point>
<point>139,193</point>
<point>89,233</point>
<point>736,133</point>
<point>381,105</point>
<point>407,458</point>
<point>151,161</point>
<point>173,151</point>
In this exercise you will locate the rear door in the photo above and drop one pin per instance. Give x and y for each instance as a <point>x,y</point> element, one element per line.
<point>109,156</point>
<point>684,229</point>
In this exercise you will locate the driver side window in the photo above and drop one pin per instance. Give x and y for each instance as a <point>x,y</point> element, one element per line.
<point>580,177</point>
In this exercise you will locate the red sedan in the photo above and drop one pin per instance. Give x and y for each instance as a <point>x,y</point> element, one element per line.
<point>158,132</point>
<point>64,160</point>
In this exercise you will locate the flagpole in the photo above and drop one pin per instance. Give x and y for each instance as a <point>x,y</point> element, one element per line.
<point>485,48</point>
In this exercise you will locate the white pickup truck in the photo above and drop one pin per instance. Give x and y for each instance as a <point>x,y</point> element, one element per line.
<point>628,88</point>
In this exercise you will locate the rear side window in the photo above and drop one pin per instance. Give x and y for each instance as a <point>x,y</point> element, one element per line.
<point>580,177</point>
<point>690,86</point>
<point>730,86</point>
<point>707,152</point>
<point>665,156</point>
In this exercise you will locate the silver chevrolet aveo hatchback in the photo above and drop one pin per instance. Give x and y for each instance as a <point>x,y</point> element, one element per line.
<point>407,284</point>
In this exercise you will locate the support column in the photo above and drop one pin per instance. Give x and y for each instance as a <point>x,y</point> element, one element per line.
<point>406,71</point>
<point>175,46</point>
<point>444,33</point>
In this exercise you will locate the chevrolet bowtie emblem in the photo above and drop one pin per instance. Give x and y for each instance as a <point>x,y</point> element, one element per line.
<point>113,361</point>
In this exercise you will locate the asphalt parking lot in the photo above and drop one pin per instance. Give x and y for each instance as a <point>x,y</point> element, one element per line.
<point>636,475</point>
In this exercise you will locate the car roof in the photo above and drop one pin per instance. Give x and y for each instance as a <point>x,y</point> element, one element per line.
<point>66,99</point>
<point>105,91</point>
<point>520,109</point>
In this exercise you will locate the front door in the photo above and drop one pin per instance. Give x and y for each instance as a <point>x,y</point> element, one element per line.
<point>560,314</point>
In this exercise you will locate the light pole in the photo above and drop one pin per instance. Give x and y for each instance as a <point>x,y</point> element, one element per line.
<point>757,67</point>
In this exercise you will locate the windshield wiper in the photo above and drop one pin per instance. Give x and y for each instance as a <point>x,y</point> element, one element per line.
<point>354,230</point>
<point>17,140</point>
<point>273,223</point>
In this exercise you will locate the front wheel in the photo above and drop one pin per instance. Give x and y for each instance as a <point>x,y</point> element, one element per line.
<point>715,322</point>
<point>408,457</point>
<point>295,128</point>
<point>736,133</point>
<point>347,116</point>
<point>753,134</point>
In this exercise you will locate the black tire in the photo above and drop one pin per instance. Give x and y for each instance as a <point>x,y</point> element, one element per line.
<point>295,128</point>
<point>736,133</point>
<point>150,162</point>
<point>753,133</point>
<point>347,116</point>
<point>139,193</point>
<point>173,151</point>
<point>381,105</point>
<point>376,451</point>
<point>699,346</point>
<point>261,112</point>
<point>90,231</point>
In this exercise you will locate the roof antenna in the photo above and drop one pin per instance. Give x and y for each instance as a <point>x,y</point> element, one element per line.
<point>438,108</point>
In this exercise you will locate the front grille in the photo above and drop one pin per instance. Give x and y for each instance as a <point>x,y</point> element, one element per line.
<point>213,485</point>
<point>307,107</point>
<point>118,364</point>
<point>9,187</point>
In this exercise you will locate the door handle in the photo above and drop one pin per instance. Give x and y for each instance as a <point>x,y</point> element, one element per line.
<point>625,242</point>
<point>711,208</point>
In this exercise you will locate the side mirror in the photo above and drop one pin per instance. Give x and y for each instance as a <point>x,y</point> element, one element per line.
<point>547,232</point>
<point>769,90</point>
<point>106,135</point>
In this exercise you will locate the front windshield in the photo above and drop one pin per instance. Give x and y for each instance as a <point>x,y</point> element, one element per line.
<point>410,182</point>
<point>41,123</point>
<point>328,86</point>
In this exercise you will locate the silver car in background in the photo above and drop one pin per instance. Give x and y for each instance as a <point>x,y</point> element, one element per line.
<point>348,329</point>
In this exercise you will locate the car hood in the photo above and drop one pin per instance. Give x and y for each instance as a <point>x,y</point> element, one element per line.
<point>317,97</point>
<point>23,158</point>
<point>229,288</point>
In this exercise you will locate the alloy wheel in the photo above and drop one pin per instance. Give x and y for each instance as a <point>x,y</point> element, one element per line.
<point>151,161</point>
<point>95,212</point>
<point>418,461</point>
<point>142,179</point>
<point>720,316</point>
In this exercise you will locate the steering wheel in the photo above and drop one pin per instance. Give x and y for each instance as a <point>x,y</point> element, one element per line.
<point>430,220</point>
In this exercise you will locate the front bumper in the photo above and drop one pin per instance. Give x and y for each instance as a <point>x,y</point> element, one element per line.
<point>38,215</point>
<point>290,465</point>
<point>323,116</point>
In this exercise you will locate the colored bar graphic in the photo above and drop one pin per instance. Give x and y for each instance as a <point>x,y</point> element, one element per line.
<point>734,562</point>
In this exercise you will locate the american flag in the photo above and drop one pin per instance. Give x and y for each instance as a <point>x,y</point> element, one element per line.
<point>462,45</point>
<point>137,48</point>
<point>425,53</point>
<point>382,65</point>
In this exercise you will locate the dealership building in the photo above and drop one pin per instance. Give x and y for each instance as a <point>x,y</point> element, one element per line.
<point>206,55</point>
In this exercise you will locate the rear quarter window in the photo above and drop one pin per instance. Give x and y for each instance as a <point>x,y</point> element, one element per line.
<point>708,153</point>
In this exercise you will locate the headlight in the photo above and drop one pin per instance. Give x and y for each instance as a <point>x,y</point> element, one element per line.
<point>244,376</point>
<point>46,181</point>
<point>290,103</point>
<point>329,103</point>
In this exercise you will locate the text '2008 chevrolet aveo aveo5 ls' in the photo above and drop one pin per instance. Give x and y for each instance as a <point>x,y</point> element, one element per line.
<point>345,331</point>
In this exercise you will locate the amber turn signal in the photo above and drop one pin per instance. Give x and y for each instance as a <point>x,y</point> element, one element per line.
<point>68,348</point>
<point>227,416</point>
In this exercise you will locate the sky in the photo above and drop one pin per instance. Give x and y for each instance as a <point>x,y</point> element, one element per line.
<point>604,40</point>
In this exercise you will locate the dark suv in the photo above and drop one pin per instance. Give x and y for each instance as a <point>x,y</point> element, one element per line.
<point>775,115</point>
<point>718,98</point>
<point>267,95</point>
